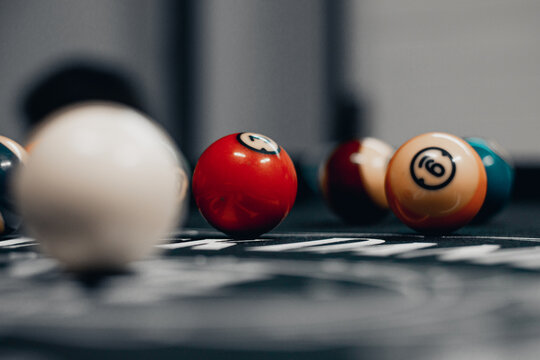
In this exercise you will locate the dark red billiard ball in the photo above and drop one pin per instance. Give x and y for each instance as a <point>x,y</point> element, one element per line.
<point>244,184</point>
<point>352,180</point>
<point>435,182</point>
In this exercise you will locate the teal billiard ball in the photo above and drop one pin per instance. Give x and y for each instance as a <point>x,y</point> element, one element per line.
<point>500,176</point>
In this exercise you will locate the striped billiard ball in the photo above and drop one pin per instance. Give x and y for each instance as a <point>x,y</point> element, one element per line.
<point>435,182</point>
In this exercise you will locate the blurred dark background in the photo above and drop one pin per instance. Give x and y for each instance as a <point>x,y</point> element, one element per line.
<point>304,72</point>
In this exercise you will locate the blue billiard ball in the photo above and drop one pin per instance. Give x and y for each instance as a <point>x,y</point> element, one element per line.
<point>500,176</point>
<point>12,155</point>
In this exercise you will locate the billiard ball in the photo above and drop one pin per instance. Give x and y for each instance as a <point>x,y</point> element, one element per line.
<point>435,182</point>
<point>500,176</point>
<point>12,156</point>
<point>244,184</point>
<point>101,186</point>
<point>352,180</point>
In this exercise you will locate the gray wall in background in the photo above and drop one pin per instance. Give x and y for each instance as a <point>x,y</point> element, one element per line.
<point>36,36</point>
<point>470,67</point>
<point>261,67</point>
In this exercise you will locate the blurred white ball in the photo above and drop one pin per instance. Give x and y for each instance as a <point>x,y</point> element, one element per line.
<point>102,185</point>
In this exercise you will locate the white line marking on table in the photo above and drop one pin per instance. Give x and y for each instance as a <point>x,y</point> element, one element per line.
<point>186,244</point>
<point>21,240</point>
<point>532,264</point>
<point>20,246</point>
<point>458,253</point>
<point>298,245</point>
<point>214,246</point>
<point>392,249</point>
<point>509,256</point>
<point>469,252</point>
<point>326,249</point>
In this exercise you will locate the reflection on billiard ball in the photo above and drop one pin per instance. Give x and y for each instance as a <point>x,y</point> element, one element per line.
<point>500,176</point>
<point>244,184</point>
<point>352,180</point>
<point>435,182</point>
<point>101,186</point>
<point>12,156</point>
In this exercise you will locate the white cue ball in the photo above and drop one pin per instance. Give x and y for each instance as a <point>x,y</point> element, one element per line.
<point>103,184</point>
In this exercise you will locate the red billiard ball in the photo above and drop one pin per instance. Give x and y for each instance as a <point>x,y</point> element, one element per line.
<point>244,184</point>
<point>435,182</point>
<point>352,180</point>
